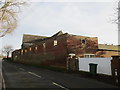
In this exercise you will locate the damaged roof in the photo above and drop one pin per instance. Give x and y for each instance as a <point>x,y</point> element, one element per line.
<point>30,38</point>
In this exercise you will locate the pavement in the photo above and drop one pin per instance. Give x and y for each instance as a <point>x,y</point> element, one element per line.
<point>24,76</point>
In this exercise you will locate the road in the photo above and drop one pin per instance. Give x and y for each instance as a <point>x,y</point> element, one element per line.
<point>24,76</point>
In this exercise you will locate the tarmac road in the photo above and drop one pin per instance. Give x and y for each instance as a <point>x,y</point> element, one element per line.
<point>24,76</point>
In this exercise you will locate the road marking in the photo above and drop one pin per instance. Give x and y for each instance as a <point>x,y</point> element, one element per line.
<point>0,79</point>
<point>59,86</point>
<point>22,69</point>
<point>3,82</point>
<point>34,74</point>
<point>52,82</point>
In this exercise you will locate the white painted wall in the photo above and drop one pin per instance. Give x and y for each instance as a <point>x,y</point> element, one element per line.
<point>103,67</point>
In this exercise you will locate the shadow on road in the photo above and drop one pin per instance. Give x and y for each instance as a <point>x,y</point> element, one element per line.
<point>24,76</point>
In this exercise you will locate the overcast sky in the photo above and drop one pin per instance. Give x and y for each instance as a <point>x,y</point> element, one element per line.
<point>93,19</point>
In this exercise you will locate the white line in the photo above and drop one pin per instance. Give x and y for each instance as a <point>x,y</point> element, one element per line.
<point>22,69</point>
<point>0,79</point>
<point>34,74</point>
<point>59,85</point>
<point>3,82</point>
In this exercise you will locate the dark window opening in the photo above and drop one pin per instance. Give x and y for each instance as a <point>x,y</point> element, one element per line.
<point>83,41</point>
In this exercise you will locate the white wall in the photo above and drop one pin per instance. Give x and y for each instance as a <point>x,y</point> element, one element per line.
<point>103,67</point>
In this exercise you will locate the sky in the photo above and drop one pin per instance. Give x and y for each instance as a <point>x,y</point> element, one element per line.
<point>85,17</point>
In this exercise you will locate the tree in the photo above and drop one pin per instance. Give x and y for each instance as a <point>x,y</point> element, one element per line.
<point>8,15</point>
<point>7,50</point>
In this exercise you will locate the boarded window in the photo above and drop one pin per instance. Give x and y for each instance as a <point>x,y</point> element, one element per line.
<point>116,72</point>
<point>89,55</point>
<point>44,45</point>
<point>30,49</point>
<point>44,48</point>
<point>55,42</point>
<point>36,48</point>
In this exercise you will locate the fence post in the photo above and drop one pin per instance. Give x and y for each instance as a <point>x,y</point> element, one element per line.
<point>68,63</point>
<point>76,64</point>
<point>72,63</point>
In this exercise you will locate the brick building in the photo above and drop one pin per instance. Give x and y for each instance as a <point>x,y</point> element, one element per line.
<point>54,50</point>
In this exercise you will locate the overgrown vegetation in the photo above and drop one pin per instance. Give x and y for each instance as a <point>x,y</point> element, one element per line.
<point>8,15</point>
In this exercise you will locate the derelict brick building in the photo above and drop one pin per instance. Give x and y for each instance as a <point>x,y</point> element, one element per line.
<point>54,50</point>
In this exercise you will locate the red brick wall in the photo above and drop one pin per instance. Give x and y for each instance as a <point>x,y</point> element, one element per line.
<point>40,48</point>
<point>58,51</point>
<point>75,45</point>
<point>56,55</point>
<point>50,55</point>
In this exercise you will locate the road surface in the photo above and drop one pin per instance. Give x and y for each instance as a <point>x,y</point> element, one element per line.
<point>24,76</point>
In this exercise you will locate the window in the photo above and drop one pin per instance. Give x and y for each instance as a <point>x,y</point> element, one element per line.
<point>30,49</point>
<point>44,48</point>
<point>21,52</point>
<point>116,73</point>
<point>83,41</point>
<point>86,56</point>
<point>36,48</point>
<point>89,55</point>
<point>44,45</point>
<point>55,42</point>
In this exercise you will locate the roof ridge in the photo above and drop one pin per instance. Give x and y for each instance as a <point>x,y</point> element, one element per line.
<point>58,33</point>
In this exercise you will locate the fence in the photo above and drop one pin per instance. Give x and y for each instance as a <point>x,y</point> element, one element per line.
<point>103,65</point>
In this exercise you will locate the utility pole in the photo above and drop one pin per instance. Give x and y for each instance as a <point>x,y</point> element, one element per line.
<point>118,22</point>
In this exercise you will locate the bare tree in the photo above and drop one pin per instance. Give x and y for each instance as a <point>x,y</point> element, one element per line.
<point>7,50</point>
<point>8,15</point>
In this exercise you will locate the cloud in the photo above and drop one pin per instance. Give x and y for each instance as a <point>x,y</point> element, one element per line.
<point>83,18</point>
<point>91,19</point>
